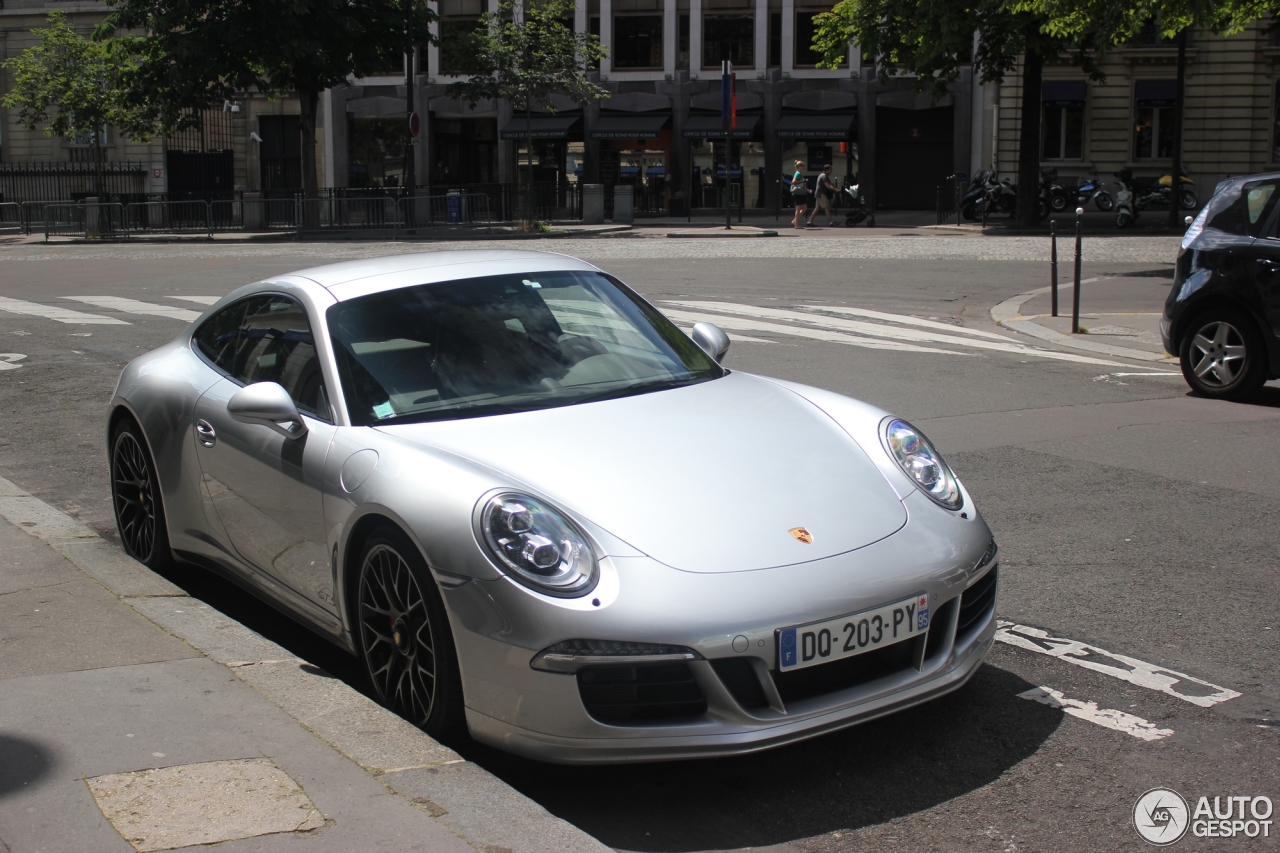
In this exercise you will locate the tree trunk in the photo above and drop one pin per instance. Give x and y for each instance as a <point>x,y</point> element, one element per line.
<point>96,153</point>
<point>529,217</point>
<point>310,185</point>
<point>411,150</point>
<point>1029,141</point>
<point>1179,100</point>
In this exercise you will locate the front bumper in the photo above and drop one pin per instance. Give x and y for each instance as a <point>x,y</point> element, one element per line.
<point>542,715</point>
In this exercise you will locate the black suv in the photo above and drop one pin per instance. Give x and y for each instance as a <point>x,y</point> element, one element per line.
<point>1222,317</point>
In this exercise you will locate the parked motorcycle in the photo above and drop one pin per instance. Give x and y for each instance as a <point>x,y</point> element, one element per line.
<point>1187,199</point>
<point>975,197</point>
<point>1091,189</point>
<point>855,206</point>
<point>1126,206</point>
<point>1158,192</point>
<point>1057,197</point>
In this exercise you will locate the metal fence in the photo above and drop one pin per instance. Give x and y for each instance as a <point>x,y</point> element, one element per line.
<point>84,220</point>
<point>346,214</point>
<point>172,217</point>
<point>443,210</point>
<point>950,191</point>
<point>66,182</point>
<point>11,217</point>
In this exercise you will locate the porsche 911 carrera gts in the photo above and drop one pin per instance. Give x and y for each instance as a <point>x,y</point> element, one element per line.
<point>541,513</point>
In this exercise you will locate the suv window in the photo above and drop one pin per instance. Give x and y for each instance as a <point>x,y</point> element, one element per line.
<point>1244,214</point>
<point>267,339</point>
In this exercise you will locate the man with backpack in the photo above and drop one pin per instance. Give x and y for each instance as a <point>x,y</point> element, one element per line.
<point>823,192</point>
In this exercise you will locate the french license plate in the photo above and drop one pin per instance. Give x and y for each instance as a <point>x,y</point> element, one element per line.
<point>846,636</point>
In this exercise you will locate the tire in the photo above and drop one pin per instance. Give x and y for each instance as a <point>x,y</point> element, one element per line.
<point>404,638</point>
<point>871,222</point>
<point>136,498</point>
<point>1188,200</point>
<point>1223,356</point>
<point>1042,210</point>
<point>969,211</point>
<point>1057,203</point>
<point>1104,202</point>
<point>1123,219</point>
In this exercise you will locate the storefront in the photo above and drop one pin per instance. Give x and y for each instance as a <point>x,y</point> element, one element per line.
<point>706,135</point>
<point>464,150</point>
<point>817,141</point>
<point>635,150</point>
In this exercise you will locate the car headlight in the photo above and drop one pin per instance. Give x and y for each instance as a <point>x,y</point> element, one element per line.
<point>538,546</point>
<point>922,463</point>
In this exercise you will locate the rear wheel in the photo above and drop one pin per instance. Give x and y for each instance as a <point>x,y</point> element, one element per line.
<point>1187,200</point>
<point>135,496</point>
<point>1224,356</point>
<point>1104,202</point>
<point>405,640</point>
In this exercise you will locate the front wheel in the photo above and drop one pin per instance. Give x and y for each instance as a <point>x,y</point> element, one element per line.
<point>1057,203</point>
<point>1124,219</point>
<point>405,640</point>
<point>1188,200</point>
<point>969,211</point>
<point>135,496</point>
<point>1104,202</point>
<point>1223,356</point>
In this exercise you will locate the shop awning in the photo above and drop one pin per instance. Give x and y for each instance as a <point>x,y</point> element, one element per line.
<point>1064,93</point>
<point>543,127</point>
<point>629,127</point>
<point>829,126</point>
<point>1156,93</point>
<point>701,127</point>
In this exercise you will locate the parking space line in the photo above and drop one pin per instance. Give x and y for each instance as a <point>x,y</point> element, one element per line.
<point>1177,684</point>
<point>133,306</point>
<point>56,312</point>
<point>749,325</point>
<point>202,300</point>
<point>1089,711</point>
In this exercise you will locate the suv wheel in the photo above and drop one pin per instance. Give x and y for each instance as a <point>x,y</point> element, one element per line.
<point>1223,356</point>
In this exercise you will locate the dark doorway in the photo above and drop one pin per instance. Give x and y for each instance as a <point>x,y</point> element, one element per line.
<point>914,154</point>
<point>204,176</point>
<point>466,151</point>
<point>280,153</point>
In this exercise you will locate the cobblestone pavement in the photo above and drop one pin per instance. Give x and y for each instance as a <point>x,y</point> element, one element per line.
<point>908,246</point>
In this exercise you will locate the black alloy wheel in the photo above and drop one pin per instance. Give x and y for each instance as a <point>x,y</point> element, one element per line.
<point>135,496</point>
<point>1223,355</point>
<point>405,639</point>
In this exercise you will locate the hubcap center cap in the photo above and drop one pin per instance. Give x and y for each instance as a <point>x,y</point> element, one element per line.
<point>401,636</point>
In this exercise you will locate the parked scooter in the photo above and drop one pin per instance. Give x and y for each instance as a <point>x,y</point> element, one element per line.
<point>975,197</point>
<point>855,206</point>
<point>1091,189</point>
<point>1125,202</point>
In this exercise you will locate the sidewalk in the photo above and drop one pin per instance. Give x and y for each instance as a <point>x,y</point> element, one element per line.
<point>133,717</point>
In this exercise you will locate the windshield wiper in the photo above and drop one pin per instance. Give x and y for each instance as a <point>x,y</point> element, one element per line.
<point>638,388</point>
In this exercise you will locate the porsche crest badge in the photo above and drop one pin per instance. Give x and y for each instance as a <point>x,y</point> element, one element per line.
<point>802,535</point>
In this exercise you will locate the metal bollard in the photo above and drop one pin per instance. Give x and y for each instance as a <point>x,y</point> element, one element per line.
<point>1075,294</point>
<point>1053,265</point>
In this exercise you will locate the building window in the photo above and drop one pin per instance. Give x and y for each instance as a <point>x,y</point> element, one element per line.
<point>728,36</point>
<point>1153,125</point>
<point>775,39</point>
<point>457,56</point>
<point>805,55</point>
<point>682,53</point>
<point>1063,126</point>
<point>1275,126</point>
<point>637,42</point>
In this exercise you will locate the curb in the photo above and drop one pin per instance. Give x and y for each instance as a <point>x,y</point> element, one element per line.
<point>722,233</point>
<point>1006,314</point>
<point>471,802</point>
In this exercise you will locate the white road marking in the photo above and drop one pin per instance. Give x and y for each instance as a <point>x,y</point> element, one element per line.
<point>56,312</point>
<point>1146,374</point>
<point>8,360</point>
<point>908,320</point>
<point>203,300</point>
<point>1177,684</point>
<point>801,332</point>
<point>1105,717</point>
<point>882,331</point>
<point>133,306</point>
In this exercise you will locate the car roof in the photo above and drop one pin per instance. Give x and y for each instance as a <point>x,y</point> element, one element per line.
<point>350,279</point>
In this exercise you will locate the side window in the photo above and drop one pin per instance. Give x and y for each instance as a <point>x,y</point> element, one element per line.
<point>217,337</point>
<point>1244,215</point>
<point>268,339</point>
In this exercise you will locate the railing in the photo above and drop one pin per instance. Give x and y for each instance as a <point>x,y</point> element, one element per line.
<point>171,217</point>
<point>254,215</point>
<point>437,210</point>
<point>11,217</point>
<point>68,182</point>
<point>950,191</point>
<point>84,220</point>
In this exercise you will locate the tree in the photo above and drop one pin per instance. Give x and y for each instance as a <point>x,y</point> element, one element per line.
<point>72,86</point>
<point>197,53</point>
<point>526,53</point>
<point>933,39</point>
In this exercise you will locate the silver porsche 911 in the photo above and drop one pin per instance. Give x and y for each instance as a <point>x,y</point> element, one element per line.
<point>540,512</point>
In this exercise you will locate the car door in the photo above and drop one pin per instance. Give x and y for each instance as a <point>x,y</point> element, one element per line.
<point>266,489</point>
<point>1262,270</point>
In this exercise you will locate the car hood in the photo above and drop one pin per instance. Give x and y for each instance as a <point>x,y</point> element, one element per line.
<point>705,478</point>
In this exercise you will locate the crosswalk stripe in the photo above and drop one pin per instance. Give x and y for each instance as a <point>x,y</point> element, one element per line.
<point>202,300</point>
<point>908,321</point>
<point>688,330</point>
<point>802,332</point>
<point>56,312</point>
<point>881,331</point>
<point>133,306</point>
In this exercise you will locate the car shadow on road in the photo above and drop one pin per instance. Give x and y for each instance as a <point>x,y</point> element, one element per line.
<point>23,763</point>
<point>898,765</point>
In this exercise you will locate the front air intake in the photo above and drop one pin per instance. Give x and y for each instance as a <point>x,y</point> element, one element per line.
<point>621,694</point>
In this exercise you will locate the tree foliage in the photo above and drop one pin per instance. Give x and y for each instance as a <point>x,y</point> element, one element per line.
<point>526,53</point>
<point>72,85</point>
<point>194,54</point>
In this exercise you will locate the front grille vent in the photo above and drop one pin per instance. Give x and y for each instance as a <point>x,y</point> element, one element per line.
<point>842,674</point>
<point>939,630</point>
<point>976,601</point>
<point>739,678</point>
<point>619,694</point>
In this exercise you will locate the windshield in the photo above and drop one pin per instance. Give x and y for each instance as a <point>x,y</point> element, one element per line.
<point>502,344</point>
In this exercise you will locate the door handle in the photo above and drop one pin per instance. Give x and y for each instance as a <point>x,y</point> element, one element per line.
<point>205,433</point>
<point>1270,265</point>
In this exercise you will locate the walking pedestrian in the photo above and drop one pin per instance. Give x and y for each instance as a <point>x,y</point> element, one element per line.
<point>799,194</point>
<point>823,191</point>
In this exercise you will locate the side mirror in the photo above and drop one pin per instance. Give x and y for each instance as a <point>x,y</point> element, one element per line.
<point>711,339</point>
<point>268,404</point>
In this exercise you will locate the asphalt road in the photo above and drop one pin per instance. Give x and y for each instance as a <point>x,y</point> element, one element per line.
<point>1137,530</point>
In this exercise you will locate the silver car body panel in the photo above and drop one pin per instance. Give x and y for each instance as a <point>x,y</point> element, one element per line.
<point>685,495</point>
